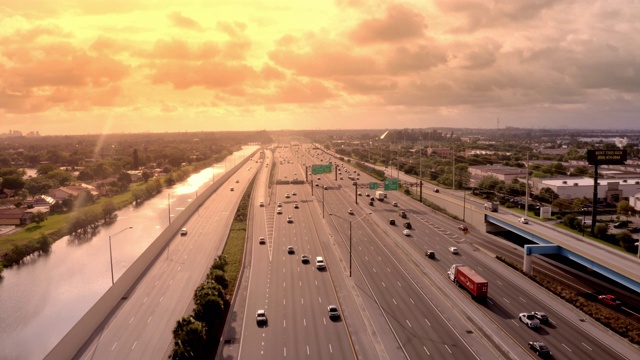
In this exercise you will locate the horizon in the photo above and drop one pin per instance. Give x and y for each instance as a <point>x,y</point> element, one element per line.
<point>111,67</point>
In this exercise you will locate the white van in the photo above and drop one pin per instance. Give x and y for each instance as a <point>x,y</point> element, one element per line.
<point>320,263</point>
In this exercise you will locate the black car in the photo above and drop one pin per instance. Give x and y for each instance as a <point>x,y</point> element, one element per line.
<point>407,225</point>
<point>392,222</point>
<point>430,254</point>
<point>542,317</point>
<point>540,349</point>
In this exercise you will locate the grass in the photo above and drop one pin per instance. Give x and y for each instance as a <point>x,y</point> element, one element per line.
<point>233,251</point>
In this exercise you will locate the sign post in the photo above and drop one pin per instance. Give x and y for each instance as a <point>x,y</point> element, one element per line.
<point>597,157</point>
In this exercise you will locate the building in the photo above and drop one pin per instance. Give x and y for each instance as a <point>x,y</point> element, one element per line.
<point>635,201</point>
<point>609,190</point>
<point>40,201</point>
<point>66,192</point>
<point>504,173</point>
<point>15,216</point>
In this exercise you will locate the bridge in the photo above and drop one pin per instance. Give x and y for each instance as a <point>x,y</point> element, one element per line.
<point>619,271</point>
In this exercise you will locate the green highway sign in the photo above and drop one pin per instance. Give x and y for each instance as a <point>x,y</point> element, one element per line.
<point>317,169</point>
<point>373,185</point>
<point>390,184</point>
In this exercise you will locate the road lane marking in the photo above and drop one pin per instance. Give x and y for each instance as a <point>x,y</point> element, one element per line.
<point>161,298</point>
<point>585,345</point>
<point>302,300</point>
<point>566,347</point>
<point>448,349</point>
<point>498,282</point>
<point>383,284</point>
<point>131,319</point>
<point>399,283</point>
<point>374,270</point>
<point>149,319</point>
<point>408,323</point>
<point>389,270</point>
<point>505,299</point>
<point>330,349</point>
<point>284,301</point>
<point>114,345</point>
<point>319,299</point>
<point>413,302</point>
<point>523,300</point>
<point>145,300</point>
<point>394,301</point>
<point>134,345</point>
<point>427,351</point>
<point>366,258</point>
<point>300,282</point>
<point>428,323</point>
<point>307,349</point>
<point>284,323</point>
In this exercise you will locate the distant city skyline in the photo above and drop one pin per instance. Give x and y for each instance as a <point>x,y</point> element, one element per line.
<point>80,67</point>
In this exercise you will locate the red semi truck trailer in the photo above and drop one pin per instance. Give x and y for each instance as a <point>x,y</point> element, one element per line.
<point>470,280</point>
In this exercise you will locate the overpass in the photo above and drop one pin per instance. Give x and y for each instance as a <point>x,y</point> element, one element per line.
<point>614,271</point>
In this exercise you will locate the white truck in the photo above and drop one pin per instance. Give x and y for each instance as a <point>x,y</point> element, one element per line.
<point>380,195</point>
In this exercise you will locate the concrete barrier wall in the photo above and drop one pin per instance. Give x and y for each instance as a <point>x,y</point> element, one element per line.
<point>472,214</point>
<point>71,343</point>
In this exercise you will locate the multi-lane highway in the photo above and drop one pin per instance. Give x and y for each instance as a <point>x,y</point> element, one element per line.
<point>141,326</point>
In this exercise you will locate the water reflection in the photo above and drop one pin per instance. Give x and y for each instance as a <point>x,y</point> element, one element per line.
<point>43,298</point>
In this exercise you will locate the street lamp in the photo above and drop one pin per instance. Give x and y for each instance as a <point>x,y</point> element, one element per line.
<point>350,238</point>
<point>110,253</point>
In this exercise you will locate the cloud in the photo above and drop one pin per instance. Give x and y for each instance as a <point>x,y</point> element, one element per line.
<point>178,49</point>
<point>300,92</point>
<point>405,59</point>
<point>181,21</point>
<point>207,74</point>
<point>399,23</point>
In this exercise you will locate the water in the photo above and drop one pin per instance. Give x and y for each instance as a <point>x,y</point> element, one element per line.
<point>42,299</point>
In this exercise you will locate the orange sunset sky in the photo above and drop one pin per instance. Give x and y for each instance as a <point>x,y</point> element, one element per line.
<point>93,66</point>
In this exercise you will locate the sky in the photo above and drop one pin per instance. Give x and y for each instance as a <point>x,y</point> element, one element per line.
<point>94,66</point>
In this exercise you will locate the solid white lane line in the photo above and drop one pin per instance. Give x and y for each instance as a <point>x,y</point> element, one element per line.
<point>425,350</point>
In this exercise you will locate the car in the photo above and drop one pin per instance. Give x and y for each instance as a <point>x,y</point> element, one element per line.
<point>290,250</point>
<point>320,265</point>
<point>350,212</point>
<point>367,195</point>
<point>304,259</point>
<point>296,206</point>
<point>359,194</point>
<point>540,349</point>
<point>542,317</point>
<point>261,203</point>
<point>395,204</point>
<point>371,203</point>
<point>403,214</point>
<point>317,184</point>
<point>289,219</point>
<point>523,220</point>
<point>237,181</point>
<point>453,250</point>
<point>279,211</point>
<point>609,300</point>
<point>287,196</point>
<point>326,187</point>
<point>341,178</point>
<point>407,225</point>
<point>620,225</point>
<point>294,193</point>
<point>463,228</point>
<point>261,318</point>
<point>436,190</point>
<point>392,221</point>
<point>334,313</point>
<point>231,188</point>
<point>406,232</point>
<point>262,240</point>
<point>430,254</point>
<point>318,178</point>
<point>529,319</point>
<point>183,232</point>
<point>279,205</point>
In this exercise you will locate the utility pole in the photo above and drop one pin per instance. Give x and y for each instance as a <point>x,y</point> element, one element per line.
<point>526,198</point>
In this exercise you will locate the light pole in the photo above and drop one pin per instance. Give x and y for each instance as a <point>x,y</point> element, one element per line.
<point>110,253</point>
<point>350,238</point>
<point>638,246</point>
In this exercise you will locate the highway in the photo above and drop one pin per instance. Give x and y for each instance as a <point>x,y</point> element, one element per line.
<point>294,295</point>
<point>509,294</point>
<point>141,326</point>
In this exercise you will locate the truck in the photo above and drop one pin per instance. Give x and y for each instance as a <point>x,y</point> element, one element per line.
<point>466,277</point>
<point>491,206</point>
<point>380,195</point>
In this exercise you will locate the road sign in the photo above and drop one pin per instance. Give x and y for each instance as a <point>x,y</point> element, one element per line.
<point>390,184</point>
<point>373,185</point>
<point>317,169</point>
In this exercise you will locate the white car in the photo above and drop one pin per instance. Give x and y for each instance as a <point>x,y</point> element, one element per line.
<point>294,193</point>
<point>289,219</point>
<point>183,232</point>
<point>279,204</point>
<point>529,319</point>
<point>279,211</point>
<point>523,220</point>
<point>406,232</point>
<point>453,250</point>
<point>287,196</point>
<point>350,212</point>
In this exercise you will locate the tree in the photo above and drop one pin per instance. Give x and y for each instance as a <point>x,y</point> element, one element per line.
<point>489,182</point>
<point>548,195</point>
<point>219,278</point>
<point>43,244</point>
<point>44,169</point>
<point>136,160</point>
<point>84,198</point>
<point>146,176</point>
<point>562,204</point>
<point>124,178</point>
<point>38,217</point>
<point>601,231</point>
<point>86,175</point>
<point>63,178</point>
<point>580,170</point>
<point>12,182</point>
<point>108,209</point>
<point>38,186</point>
<point>626,241</point>
<point>625,209</point>
<point>188,339</point>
